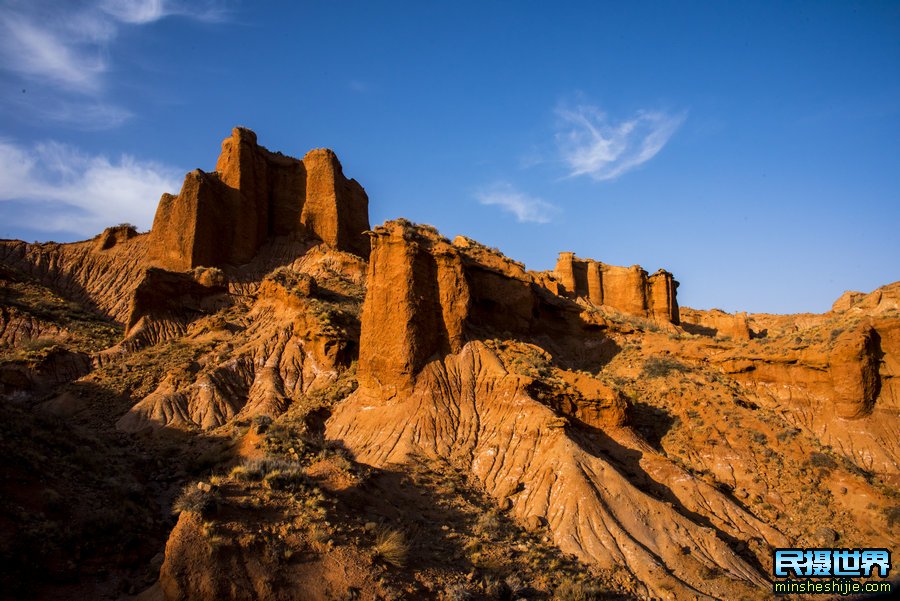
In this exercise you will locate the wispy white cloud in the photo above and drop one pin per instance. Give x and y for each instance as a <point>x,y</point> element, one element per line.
<point>593,145</point>
<point>57,188</point>
<point>66,58</point>
<point>140,12</point>
<point>526,208</point>
<point>64,47</point>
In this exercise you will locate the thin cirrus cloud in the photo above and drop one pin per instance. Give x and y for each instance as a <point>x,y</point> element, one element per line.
<point>54,187</point>
<point>63,50</point>
<point>593,145</point>
<point>524,207</point>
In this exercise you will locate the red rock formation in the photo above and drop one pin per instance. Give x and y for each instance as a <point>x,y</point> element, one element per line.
<point>225,217</point>
<point>336,209</point>
<point>662,302</point>
<point>888,337</point>
<point>295,343</point>
<point>715,323</point>
<point>114,235</point>
<point>102,280</point>
<point>854,371</point>
<point>627,289</point>
<point>882,300</point>
<point>429,386</point>
<point>196,227</point>
<point>426,297</point>
<point>409,275</point>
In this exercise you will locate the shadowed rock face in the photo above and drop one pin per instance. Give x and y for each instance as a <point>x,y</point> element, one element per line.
<point>165,302</point>
<point>628,289</point>
<point>225,217</point>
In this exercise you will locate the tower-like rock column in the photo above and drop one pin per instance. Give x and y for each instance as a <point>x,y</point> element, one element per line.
<point>662,301</point>
<point>336,209</point>
<point>225,217</point>
<point>416,305</point>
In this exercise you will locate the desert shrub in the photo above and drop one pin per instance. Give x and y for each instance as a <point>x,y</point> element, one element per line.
<point>488,524</point>
<point>271,471</point>
<point>286,478</point>
<point>787,434</point>
<point>660,367</point>
<point>503,590</point>
<point>821,460</point>
<point>759,437</point>
<point>194,500</point>
<point>391,546</point>
<point>574,590</point>
<point>262,423</point>
<point>709,573</point>
<point>458,592</point>
<point>246,473</point>
<point>212,456</point>
<point>892,514</point>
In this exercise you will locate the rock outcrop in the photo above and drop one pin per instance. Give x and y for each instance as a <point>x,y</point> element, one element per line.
<point>417,301</point>
<point>115,235</point>
<point>854,373</point>
<point>715,322</point>
<point>225,217</point>
<point>879,301</point>
<point>430,386</point>
<point>628,289</point>
<point>296,340</point>
<point>165,302</point>
<point>842,390</point>
<point>426,297</point>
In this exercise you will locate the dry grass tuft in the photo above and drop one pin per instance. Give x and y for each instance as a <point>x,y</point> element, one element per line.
<point>391,546</point>
<point>574,590</point>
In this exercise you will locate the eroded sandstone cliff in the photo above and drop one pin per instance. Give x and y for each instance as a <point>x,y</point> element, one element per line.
<point>226,216</point>
<point>628,289</point>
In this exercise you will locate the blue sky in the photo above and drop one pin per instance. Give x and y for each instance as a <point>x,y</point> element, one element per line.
<point>753,149</point>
